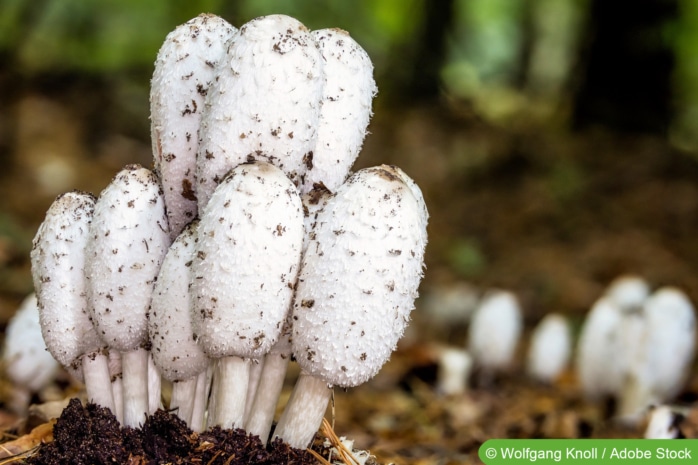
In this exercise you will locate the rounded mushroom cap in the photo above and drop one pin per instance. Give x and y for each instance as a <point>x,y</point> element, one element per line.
<point>184,72</point>
<point>265,104</point>
<point>348,90</point>
<point>129,237</point>
<point>628,292</point>
<point>58,263</point>
<point>246,261</point>
<point>599,361</point>
<point>495,329</point>
<point>359,278</point>
<point>175,351</point>
<point>550,348</point>
<point>27,362</point>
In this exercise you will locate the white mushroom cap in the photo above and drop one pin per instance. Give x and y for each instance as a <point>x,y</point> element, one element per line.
<point>670,339</point>
<point>265,103</point>
<point>129,237</point>
<point>246,261</point>
<point>662,423</point>
<point>175,351</point>
<point>495,329</point>
<point>550,348</point>
<point>27,362</point>
<point>628,292</point>
<point>454,369</point>
<point>359,277</point>
<point>58,264</point>
<point>348,89</point>
<point>184,72</point>
<point>600,363</point>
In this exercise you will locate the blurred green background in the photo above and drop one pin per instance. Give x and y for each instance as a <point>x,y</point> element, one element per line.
<point>556,141</point>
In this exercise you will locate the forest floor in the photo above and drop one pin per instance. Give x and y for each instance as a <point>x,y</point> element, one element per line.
<point>552,215</point>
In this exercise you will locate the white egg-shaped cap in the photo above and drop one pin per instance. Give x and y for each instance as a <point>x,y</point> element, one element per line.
<point>359,278</point>
<point>600,361</point>
<point>246,261</point>
<point>670,338</point>
<point>25,358</point>
<point>495,329</point>
<point>348,90</point>
<point>175,351</point>
<point>265,103</point>
<point>184,72</point>
<point>58,270</point>
<point>550,348</point>
<point>628,292</point>
<point>129,237</point>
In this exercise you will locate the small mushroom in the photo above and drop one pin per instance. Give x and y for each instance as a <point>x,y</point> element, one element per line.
<point>183,76</point>
<point>129,237</point>
<point>58,260</point>
<point>244,269</point>
<point>550,348</point>
<point>348,89</point>
<point>494,332</point>
<point>356,289</point>
<point>628,292</point>
<point>28,365</point>
<point>265,104</point>
<point>173,346</point>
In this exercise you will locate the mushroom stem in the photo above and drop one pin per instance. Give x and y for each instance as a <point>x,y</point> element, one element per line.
<point>267,395</point>
<point>154,386</point>
<point>135,386</point>
<point>117,390</point>
<point>233,379</point>
<point>183,398</point>
<point>304,412</point>
<point>203,383</point>
<point>95,370</point>
<point>256,368</point>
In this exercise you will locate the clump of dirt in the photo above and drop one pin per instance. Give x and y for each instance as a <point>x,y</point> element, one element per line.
<point>91,435</point>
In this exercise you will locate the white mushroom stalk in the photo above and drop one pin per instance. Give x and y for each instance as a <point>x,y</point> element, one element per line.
<point>245,266</point>
<point>265,104</point>
<point>494,332</point>
<point>550,348</point>
<point>184,72</point>
<point>357,286</point>
<point>27,363</point>
<point>129,237</point>
<point>58,268</point>
<point>175,351</point>
<point>348,90</point>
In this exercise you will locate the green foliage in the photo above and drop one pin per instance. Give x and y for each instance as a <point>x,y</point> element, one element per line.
<point>466,257</point>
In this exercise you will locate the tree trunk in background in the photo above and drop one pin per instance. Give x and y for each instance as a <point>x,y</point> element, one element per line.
<point>424,81</point>
<point>626,74</point>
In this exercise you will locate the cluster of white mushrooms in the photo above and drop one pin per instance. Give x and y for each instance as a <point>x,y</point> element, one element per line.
<point>635,345</point>
<point>249,244</point>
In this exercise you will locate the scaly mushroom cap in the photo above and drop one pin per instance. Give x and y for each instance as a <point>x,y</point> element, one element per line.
<point>495,329</point>
<point>265,103</point>
<point>184,72</point>
<point>348,90</point>
<point>26,361</point>
<point>246,261</point>
<point>58,270</point>
<point>128,240</point>
<point>359,277</point>
<point>175,351</point>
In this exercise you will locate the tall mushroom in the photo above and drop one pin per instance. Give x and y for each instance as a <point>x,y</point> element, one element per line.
<point>348,89</point>
<point>244,269</point>
<point>129,237</point>
<point>184,73</point>
<point>357,286</point>
<point>175,351</point>
<point>265,104</point>
<point>58,260</point>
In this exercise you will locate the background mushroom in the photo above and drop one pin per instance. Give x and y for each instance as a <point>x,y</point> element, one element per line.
<point>357,285</point>
<point>184,73</point>
<point>129,237</point>
<point>550,348</point>
<point>244,269</point>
